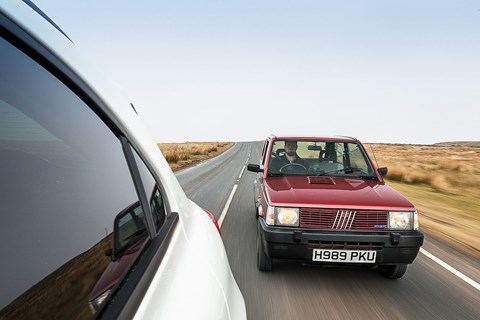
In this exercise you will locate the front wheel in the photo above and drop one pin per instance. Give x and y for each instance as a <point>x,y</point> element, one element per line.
<point>393,271</point>
<point>264,262</point>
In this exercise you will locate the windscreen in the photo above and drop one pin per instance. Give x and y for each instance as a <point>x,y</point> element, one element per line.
<point>334,158</point>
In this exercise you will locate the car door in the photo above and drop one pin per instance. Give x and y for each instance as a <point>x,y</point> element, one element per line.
<point>67,170</point>
<point>259,180</point>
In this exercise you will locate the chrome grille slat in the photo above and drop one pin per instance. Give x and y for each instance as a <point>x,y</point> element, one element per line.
<point>334,222</point>
<point>343,219</point>
<point>353,218</point>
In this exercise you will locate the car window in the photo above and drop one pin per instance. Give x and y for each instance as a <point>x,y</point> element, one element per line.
<point>64,180</point>
<point>358,159</point>
<point>277,149</point>
<point>129,227</point>
<point>336,158</point>
<point>303,149</point>
<point>157,205</point>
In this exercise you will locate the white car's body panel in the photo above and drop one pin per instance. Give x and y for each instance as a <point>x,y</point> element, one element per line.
<point>194,280</point>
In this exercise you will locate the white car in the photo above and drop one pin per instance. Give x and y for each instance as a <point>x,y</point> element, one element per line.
<point>93,221</point>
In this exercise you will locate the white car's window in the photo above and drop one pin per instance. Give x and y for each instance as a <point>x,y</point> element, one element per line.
<point>64,180</point>
<point>157,204</point>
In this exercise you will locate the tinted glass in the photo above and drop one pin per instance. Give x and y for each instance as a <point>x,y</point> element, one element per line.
<point>157,205</point>
<point>129,228</point>
<point>64,179</point>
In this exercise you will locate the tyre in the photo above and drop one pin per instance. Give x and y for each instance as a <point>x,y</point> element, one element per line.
<point>393,271</point>
<point>255,201</point>
<point>264,262</point>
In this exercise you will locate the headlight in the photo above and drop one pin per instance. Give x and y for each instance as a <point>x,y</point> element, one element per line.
<point>281,216</point>
<point>403,220</point>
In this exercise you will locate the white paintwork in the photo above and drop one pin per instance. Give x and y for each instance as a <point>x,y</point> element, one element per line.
<point>194,280</point>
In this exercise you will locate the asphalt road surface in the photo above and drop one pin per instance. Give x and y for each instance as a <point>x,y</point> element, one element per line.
<point>441,284</point>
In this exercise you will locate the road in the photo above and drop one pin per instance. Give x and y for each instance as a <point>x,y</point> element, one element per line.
<point>447,288</point>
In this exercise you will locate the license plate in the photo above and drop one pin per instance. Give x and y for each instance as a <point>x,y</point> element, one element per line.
<point>348,256</point>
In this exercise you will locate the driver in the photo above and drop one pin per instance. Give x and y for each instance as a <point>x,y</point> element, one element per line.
<point>289,157</point>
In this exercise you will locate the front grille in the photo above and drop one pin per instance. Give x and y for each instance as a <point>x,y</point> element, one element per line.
<point>340,219</point>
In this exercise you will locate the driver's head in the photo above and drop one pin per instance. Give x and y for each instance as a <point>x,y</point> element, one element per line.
<point>290,148</point>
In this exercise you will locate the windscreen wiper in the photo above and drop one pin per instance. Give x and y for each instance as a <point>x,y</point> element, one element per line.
<point>346,170</point>
<point>368,177</point>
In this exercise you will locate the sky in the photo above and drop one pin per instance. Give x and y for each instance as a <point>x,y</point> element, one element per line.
<point>223,70</point>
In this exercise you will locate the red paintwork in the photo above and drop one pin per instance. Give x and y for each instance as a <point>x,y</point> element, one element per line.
<point>296,191</point>
<point>116,268</point>
<point>314,138</point>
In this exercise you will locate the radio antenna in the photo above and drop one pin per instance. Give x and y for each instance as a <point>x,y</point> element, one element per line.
<point>373,152</point>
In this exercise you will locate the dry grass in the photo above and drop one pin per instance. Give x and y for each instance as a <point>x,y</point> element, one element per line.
<point>181,155</point>
<point>448,169</point>
<point>70,299</point>
<point>443,182</point>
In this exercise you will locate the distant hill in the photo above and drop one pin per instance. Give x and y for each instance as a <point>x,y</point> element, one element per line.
<point>458,143</point>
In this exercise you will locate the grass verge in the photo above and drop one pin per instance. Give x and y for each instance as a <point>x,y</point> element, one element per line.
<point>451,217</point>
<point>182,155</point>
<point>443,182</point>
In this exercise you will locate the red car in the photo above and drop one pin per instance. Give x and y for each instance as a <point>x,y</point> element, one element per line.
<point>129,235</point>
<point>128,238</point>
<point>322,200</point>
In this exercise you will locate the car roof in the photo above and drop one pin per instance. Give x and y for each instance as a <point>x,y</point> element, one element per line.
<point>311,137</point>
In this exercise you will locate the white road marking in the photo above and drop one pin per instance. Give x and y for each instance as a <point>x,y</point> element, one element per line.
<point>241,172</point>
<point>471,282</point>
<point>227,205</point>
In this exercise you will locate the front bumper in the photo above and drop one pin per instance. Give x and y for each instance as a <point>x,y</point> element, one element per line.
<point>392,247</point>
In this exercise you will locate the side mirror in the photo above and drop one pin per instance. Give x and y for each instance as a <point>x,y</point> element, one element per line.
<point>383,171</point>
<point>254,168</point>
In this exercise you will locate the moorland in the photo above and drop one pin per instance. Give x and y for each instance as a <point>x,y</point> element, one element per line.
<point>441,180</point>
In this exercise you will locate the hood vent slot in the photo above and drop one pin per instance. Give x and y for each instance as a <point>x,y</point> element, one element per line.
<point>320,180</point>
